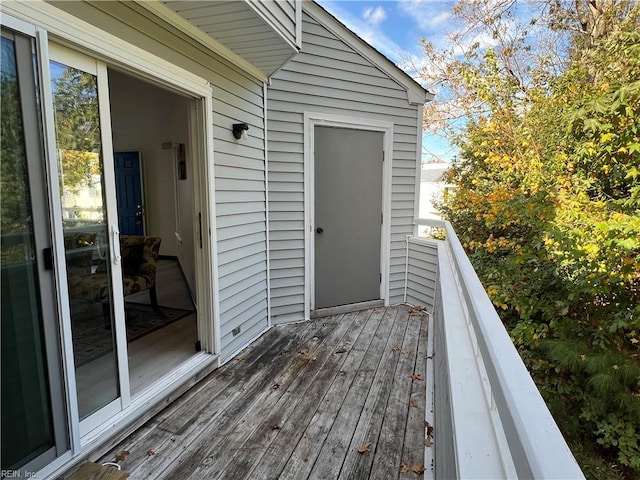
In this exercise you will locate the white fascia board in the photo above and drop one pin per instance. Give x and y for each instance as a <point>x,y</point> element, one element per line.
<point>416,94</point>
<point>165,13</point>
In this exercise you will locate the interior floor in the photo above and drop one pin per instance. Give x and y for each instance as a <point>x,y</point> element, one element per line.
<point>152,355</point>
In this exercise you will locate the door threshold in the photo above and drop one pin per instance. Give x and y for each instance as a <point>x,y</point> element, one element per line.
<point>352,307</point>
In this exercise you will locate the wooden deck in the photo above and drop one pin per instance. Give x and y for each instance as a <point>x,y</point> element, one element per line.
<point>335,397</point>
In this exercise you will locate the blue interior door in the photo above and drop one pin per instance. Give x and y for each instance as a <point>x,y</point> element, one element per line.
<point>129,193</point>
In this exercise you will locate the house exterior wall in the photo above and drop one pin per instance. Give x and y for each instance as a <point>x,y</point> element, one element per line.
<point>329,76</point>
<point>422,272</point>
<point>239,165</point>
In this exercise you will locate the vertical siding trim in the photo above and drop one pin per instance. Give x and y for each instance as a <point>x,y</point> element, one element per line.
<point>212,215</point>
<point>266,201</point>
<point>406,271</point>
<point>298,4</point>
<point>311,119</point>
<point>416,201</point>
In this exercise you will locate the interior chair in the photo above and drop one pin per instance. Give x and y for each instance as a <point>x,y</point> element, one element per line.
<point>139,266</point>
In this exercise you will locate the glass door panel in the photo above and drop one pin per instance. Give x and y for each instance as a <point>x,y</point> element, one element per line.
<point>29,437</point>
<point>86,234</point>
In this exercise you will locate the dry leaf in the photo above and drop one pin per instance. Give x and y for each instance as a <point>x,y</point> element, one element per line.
<point>429,429</point>
<point>122,456</point>
<point>413,402</point>
<point>404,468</point>
<point>428,442</point>
<point>404,352</point>
<point>395,348</point>
<point>240,359</point>
<point>150,453</point>
<point>364,447</point>
<point>417,469</point>
<point>416,377</point>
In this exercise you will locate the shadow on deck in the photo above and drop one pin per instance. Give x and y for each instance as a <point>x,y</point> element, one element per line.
<point>336,397</point>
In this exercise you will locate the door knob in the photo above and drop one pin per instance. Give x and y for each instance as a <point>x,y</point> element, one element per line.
<point>319,230</point>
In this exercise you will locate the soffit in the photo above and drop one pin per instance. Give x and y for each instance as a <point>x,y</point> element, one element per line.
<point>237,26</point>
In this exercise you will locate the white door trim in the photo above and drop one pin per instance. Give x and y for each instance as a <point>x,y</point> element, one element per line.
<point>311,120</point>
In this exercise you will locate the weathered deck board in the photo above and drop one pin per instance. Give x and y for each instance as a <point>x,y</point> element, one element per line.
<point>414,445</point>
<point>307,449</point>
<point>297,404</point>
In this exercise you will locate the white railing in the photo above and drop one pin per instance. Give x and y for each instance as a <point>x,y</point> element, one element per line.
<point>490,419</point>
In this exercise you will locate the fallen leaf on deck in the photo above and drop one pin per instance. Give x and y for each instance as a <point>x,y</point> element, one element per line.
<point>404,468</point>
<point>428,442</point>
<point>416,377</point>
<point>413,402</point>
<point>150,453</point>
<point>395,348</point>
<point>417,469</point>
<point>240,359</point>
<point>429,428</point>
<point>122,456</point>
<point>404,352</point>
<point>364,447</point>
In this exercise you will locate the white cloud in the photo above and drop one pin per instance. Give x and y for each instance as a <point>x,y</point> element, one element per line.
<point>366,30</point>
<point>374,16</point>
<point>428,15</point>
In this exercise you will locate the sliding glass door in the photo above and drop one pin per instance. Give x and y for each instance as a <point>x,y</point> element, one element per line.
<point>33,414</point>
<point>91,246</point>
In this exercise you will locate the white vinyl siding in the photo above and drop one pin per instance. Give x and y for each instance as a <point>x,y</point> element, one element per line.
<point>239,166</point>
<point>422,273</point>
<point>328,76</point>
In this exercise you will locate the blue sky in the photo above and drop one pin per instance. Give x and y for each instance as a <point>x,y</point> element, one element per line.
<point>395,28</point>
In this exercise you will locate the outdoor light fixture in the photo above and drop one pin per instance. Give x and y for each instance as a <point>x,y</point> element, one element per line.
<point>240,130</point>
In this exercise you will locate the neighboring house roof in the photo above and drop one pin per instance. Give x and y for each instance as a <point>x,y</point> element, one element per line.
<point>434,172</point>
<point>416,93</point>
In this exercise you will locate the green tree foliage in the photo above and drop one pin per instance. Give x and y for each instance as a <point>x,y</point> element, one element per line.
<point>547,206</point>
<point>15,209</point>
<point>77,126</point>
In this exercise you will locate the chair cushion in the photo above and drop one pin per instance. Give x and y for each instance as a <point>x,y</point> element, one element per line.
<point>132,259</point>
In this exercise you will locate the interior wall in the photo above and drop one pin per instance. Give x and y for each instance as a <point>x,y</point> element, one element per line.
<point>144,117</point>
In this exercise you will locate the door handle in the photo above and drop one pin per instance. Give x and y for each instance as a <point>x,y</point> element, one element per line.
<point>48,258</point>
<point>115,245</point>
<point>319,230</point>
